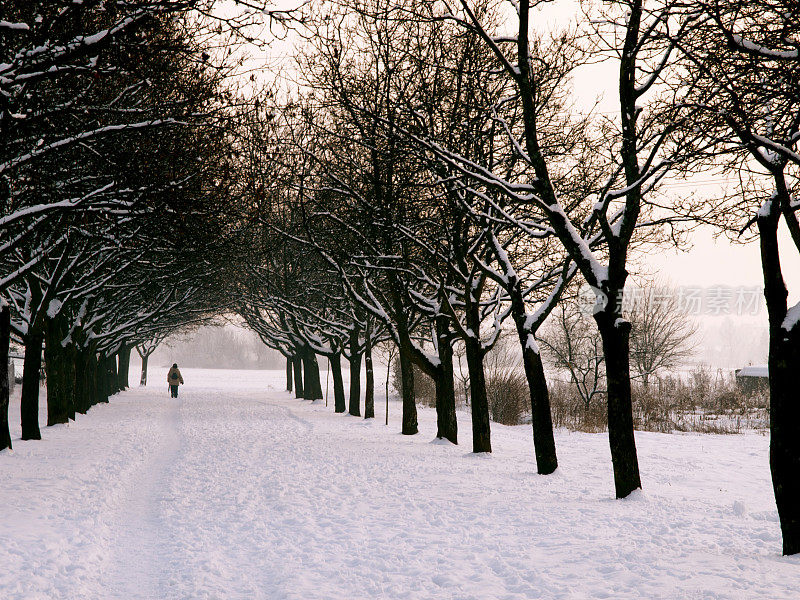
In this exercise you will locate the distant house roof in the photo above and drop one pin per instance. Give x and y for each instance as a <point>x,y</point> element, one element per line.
<point>753,371</point>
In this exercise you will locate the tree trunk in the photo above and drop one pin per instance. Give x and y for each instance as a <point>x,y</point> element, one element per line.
<point>481,429</point>
<point>355,384</point>
<point>784,366</point>
<point>784,447</point>
<point>112,379</point>
<point>124,367</point>
<point>615,333</point>
<point>410,426</point>
<point>72,376</point>
<point>289,368</point>
<point>5,386</point>
<point>103,378</point>
<point>143,376</point>
<point>96,379</point>
<point>369,392</point>
<point>59,386</point>
<point>388,372</point>
<point>29,401</point>
<point>544,444</point>
<point>312,390</point>
<point>446,422</point>
<point>297,367</point>
<point>355,371</point>
<point>81,366</point>
<point>339,402</point>
<point>100,388</point>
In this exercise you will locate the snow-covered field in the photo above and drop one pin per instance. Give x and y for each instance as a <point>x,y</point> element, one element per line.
<point>237,490</point>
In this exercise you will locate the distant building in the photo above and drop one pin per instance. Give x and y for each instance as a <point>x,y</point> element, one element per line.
<point>752,379</point>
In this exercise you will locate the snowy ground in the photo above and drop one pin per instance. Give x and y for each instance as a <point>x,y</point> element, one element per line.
<point>236,490</point>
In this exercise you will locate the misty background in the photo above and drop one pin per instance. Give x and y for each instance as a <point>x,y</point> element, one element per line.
<point>723,342</point>
<point>217,347</point>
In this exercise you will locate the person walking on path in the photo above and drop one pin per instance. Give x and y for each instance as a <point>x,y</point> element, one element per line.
<point>174,378</point>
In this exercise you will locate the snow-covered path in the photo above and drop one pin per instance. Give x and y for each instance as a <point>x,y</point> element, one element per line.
<point>236,490</point>
<point>140,548</point>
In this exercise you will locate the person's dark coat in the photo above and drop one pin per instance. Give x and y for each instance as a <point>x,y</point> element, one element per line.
<point>174,376</point>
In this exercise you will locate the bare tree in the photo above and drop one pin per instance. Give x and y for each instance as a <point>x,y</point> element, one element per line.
<point>571,344</point>
<point>662,332</point>
<point>144,349</point>
<point>638,151</point>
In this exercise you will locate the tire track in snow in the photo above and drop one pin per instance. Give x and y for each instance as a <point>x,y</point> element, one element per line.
<point>288,414</point>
